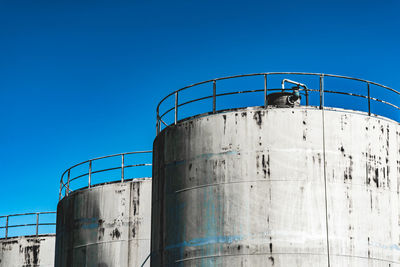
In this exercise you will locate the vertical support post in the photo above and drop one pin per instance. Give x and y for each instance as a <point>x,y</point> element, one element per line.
<point>176,107</point>
<point>158,123</point>
<point>322,107</point>
<point>37,224</point>
<point>321,91</point>
<point>369,100</point>
<point>69,174</point>
<point>306,89</point>
<point>90,174</point>
<point>265,91</point>
<point>60,193</point>
<point>214,96</point>
<point>122,167</point>
<point>6,227</point>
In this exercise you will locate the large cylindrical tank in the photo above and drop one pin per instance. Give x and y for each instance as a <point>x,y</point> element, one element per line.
<point>296,186</point>
<point>106,225</point>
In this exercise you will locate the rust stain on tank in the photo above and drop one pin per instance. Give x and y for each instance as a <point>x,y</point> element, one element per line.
<point>266,166</point>
<point>31,255</point>
<point>115,234</point>
<point>258,118</point>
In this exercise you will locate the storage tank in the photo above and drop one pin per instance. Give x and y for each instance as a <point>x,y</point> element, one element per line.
<point>108,223</point>
<point>27,239</point>
<point>292,182</point>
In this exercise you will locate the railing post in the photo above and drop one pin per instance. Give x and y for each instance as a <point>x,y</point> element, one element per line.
<point>265,91</point>
<point>321,91</point>
<point>69,174</point>
<point>37,224</point>
<point>6,227</point>
<point>176,107</point>
<point>158,123</point>
<point>60,193</point>
<point>369,100</point>
<point>214,96</point>
<point>122,167</point>
<point>90,174</point>
<point>306,96</point>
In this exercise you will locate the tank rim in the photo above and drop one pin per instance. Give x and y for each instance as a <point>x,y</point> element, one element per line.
<point>130,180</point>
<point>26,236</point>
<point>270,107</point>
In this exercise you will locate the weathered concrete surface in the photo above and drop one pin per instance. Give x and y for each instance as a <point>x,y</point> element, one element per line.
<point>247,188</point>
<point>27,251</point>
<point>107,225</point>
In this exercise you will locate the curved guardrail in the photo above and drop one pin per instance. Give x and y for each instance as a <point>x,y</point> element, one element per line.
<point>67,178</point>
<point>7,224</point>
<point>320,91</point>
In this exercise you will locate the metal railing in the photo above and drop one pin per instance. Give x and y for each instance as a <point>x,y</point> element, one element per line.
<point>66,179</point>
<point>37,224</point>
<point>320,91</point>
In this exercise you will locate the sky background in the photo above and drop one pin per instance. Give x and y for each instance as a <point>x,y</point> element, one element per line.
<point>82,79</point>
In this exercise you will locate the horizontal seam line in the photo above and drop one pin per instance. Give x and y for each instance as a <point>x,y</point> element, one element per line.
<point>287,253</point>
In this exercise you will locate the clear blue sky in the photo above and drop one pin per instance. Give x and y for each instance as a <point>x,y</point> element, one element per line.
<point>81,79</point>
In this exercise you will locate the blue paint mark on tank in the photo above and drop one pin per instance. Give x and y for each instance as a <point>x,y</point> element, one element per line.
<point>210,155</point>
<point>390,247</point>
<point>90,226</point>
<point>87,223</point>
<point>175,163</point>
<point>206,241</point>
<point>201,156</point>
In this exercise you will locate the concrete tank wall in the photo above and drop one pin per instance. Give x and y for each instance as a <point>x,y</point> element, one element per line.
<point>107,225</point>
<point>247,188</point>
<point>27,251</point>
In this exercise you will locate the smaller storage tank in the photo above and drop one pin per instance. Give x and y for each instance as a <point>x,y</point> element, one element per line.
<point>106,224</point>
<point>22,242</point>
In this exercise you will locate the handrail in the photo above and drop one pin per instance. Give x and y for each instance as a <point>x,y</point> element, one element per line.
<point>66,175</point>
<point>321,91</point>
<point>37,224</point>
